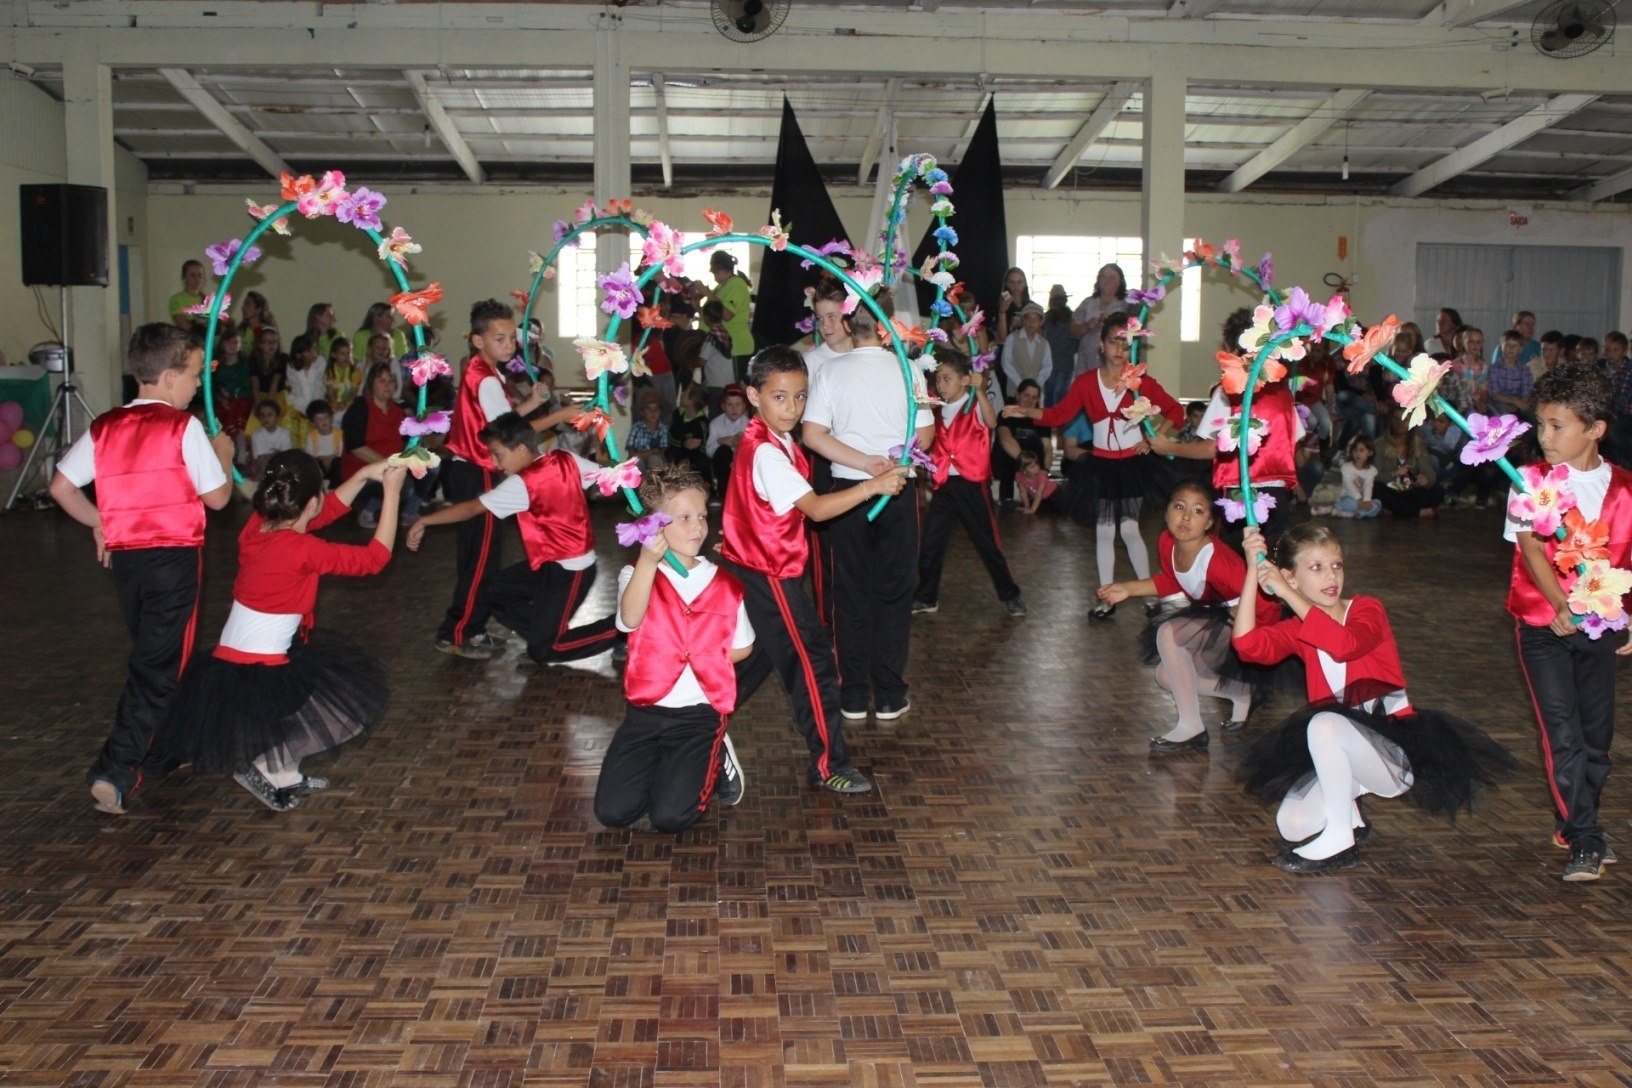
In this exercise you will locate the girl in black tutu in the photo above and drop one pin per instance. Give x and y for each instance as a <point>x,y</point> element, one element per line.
<point>275,692</point>
<point>1199,579</point>
<point>1359,734</point>
<point>1107,489</point>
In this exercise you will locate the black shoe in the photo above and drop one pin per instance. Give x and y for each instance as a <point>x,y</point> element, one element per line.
<point>1294,862</point>
<point>1101,612</point>
<point>890,713</point>
<point>1016,607</point>
<point>1586,863</point>
<point>843,780</point>
<point>1363,832</point>
<point>729,785</point>
<point>925,607</point>
<point>1197,743</point>
<point>1229,726</point>
<point>1152,606</point>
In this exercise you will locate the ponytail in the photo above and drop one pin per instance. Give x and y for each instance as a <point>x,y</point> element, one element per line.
<point>292,479</point>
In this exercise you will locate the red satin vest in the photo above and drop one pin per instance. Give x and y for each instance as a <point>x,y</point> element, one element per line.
<point>1275,460</point>
<point>143,491</point>
<point>556,524</point>
<point>675,634</point>
<point>1524,599</point>
<point>965,444</point>
<point>468,417</point>
<point>755,537</point>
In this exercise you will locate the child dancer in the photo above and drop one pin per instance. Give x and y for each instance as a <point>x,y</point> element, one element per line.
<point>767,502</point>
<point>537,597</point>
<point>1360,733</point>
<point>1572,677</point>
<point>154,468</point>
<point>470,471</point>
<point>275,692</point>
<point>1192,639</point>
<point>962,479</point>
<point>671,754</point>
<point>1121,470</point>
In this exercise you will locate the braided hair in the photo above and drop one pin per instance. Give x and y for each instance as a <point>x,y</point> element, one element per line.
<point>292,480</point>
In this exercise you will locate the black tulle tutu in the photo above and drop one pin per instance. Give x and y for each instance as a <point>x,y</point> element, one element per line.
<point>1113,488</point>
<point>1206,631</point>
<point>1449,758</point>
<point>226,714</point>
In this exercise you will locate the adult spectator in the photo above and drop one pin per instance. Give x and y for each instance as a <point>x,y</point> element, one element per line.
<point>1524,322</point>
<point>381,321</point>
<point>1110,297</point>
<point>1016,293</point>
<point>734,294</point>
<point>1062,346</point>
<point>191,294</point>
<point>370,432</point>
<point>1442,344</point>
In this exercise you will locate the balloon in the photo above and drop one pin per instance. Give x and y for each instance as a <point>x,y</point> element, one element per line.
<point>5,433</point>
<point>11,413</point>
<point>22,438</point>
<point>10,457</point>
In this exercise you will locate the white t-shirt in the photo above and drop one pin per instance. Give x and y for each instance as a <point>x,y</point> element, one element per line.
<point>308,385</point>
<point>718,369</point>
<point>817,358</point>
<point>775,479</point>
<point>1219,410</point>
<point>723,426</point>
<point>264,442</point>
<point>252,632</point>
<point>1358,482</point>
<point>1194,580</point>
<point>494,400</point>
<point>510,498</point>
<point>203,466</point>
<point>323,445</point>
<point>860,398</point>
<point>687,691</point>
<point>1589,489</point>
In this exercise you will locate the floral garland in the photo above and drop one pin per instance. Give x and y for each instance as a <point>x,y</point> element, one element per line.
<point>360,207</point>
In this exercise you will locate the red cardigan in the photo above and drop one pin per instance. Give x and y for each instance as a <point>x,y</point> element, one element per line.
<point>1363,642</point>
<point>1226,574</point>
<point>1088,396</point>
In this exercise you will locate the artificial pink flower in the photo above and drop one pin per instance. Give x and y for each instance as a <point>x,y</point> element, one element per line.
<point>1599,589</point>
<point>427,368</point>
<point>433,423</point>
<point>623,474</point>
<point>259,212</point>
<point>417,460</point>
<point>396,247</point>
<point>776,231</point>
<point>662,246</point>
<point>1229,434</point>
<point>1140,410</point>
<point>202,309</point>
<point>1546,499</point>
<point>326,198</point>
<point>1414,393</point>
<point>601,357</point>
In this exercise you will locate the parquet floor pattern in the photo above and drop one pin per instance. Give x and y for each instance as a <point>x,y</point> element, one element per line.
<point>1028,900</point>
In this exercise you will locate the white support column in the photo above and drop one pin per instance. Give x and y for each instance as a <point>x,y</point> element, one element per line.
<point>875,139</point>
<point>1299,136</point>
<point>660,96</point>
<point>87,87</point>
<point>1491,144</point>
<point>1162,207</point>
<point>612,174</point>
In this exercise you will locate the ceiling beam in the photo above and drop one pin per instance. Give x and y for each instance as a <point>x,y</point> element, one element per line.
<point>233,129</point>
<point>445,128</point>
<point>1603,187</point>
<point>1456,14</point>
<point>1492,144</point>
<point>1294,139</point>
<point>660,94</point>
<point>962,145</point>
<point>1192,9</point>
<point>1098,121</point>
<point>875,139</point>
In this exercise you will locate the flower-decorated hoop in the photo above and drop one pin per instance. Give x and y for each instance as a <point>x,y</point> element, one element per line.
<point>360,207</point>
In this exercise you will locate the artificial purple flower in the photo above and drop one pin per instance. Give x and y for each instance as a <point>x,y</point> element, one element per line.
<point>622,296</point>
<point>221,255</point>
<point>1149,297</point>
<point>938,335</point>
<point>837,247</point>
<point>1490,436</point>
<point>361,209</point>
<point>1235,508</point>
<point>433,423</point>
<point>981,363</point>
<point>1266,271</point>
<point>915,454</point>
<point>517,365</point>
<point>1595,626</point>
<point>562,229</point>
<point>620,394</point>
<point>1296,310</point>
<point>805,324</point>
<point>941,188</point>
<point>641,531</point>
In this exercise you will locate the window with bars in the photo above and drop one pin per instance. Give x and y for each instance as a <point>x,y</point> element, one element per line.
<point>1074,260</point>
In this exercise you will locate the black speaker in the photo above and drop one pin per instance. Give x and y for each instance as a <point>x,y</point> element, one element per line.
<point>65,235</point>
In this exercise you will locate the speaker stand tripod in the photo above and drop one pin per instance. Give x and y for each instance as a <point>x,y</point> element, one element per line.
<point>56,434</point>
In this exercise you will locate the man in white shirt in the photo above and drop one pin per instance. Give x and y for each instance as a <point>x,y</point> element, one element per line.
<point>858,411</point>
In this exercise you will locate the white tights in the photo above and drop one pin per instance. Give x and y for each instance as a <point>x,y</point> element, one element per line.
<point>1105,548</point>
<point>1347,766</point>
<point>1179,677</point>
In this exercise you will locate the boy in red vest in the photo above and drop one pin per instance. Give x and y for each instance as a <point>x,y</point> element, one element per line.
<point>963,471</point>
<point>1274,466</point>
<point>767,502</point>
<point>686,633</point>
<point>469,470</point>
<point>1571,676</point>
<point>537,598</point>
<point>153,464</point>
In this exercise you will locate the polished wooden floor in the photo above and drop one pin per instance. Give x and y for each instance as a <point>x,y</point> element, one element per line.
<point>1028,899</point>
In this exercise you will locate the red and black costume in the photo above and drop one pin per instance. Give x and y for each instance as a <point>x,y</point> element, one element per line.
<point>664,759</point>
<point>467,474</point>
<point>962,454</point>
<point>1120,476</point>
<point>770,552</point>
<point>1273,465</point>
